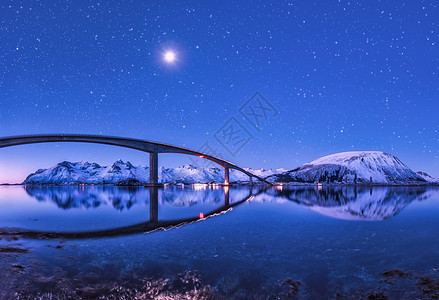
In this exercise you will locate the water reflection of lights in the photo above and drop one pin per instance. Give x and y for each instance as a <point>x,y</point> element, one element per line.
<point>199,186</point>
<point>279,187</point>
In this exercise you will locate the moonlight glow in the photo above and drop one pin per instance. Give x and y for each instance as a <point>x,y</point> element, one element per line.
<point>169,56</point>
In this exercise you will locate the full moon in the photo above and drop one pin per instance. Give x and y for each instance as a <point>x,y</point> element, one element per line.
<point>169,56</point>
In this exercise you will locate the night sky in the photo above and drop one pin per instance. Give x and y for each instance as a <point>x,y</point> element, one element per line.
<point>334,76</point>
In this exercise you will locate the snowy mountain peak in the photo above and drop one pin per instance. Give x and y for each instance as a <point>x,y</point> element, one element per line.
<point>345,158</point>
<point>66,173</point>
<point>120,162</point>
<point>189,167</point>
<point>354,167</point>
<point>89,173</point>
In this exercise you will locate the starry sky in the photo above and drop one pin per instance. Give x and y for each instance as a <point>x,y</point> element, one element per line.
<point>334,76</point>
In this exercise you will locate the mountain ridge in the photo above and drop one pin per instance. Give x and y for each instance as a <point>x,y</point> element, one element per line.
<point>70,173</point>
<point>355,167</point>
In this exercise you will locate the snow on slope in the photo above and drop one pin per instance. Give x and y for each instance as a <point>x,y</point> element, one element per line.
<point>92,173</point>
<point>353,167</point>
<point>427,177</point>
<point>88,173</point>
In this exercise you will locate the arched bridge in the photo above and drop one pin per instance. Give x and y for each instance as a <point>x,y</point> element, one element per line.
<point>153,148</point>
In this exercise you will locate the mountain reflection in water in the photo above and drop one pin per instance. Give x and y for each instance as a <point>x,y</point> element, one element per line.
<point>86,197</point>
<point>342,202</point>
<point>353,203</point>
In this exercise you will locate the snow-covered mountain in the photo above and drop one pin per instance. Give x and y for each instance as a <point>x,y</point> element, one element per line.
<point>88,173</point>
<point>348,168</point>
<point>427,177</point>
<point>67,173</point>
<point>353,167</point>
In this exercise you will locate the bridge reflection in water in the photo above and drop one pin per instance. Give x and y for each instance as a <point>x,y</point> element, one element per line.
<point>41,193</point>
<point>154,208</point>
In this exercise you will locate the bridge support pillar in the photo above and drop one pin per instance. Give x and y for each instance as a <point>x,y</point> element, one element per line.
<point>250,180</point>
<point>153,205</point>
<point>153,168</point>
<point>226,175</point>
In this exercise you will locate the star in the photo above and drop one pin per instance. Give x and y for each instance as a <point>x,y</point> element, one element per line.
<point>169,56</point>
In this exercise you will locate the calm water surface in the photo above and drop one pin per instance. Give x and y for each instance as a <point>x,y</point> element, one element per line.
<point>99,242</point>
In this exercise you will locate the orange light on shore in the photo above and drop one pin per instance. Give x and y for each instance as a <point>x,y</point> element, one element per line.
<point>200,156</point>
<point>201,216</point>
